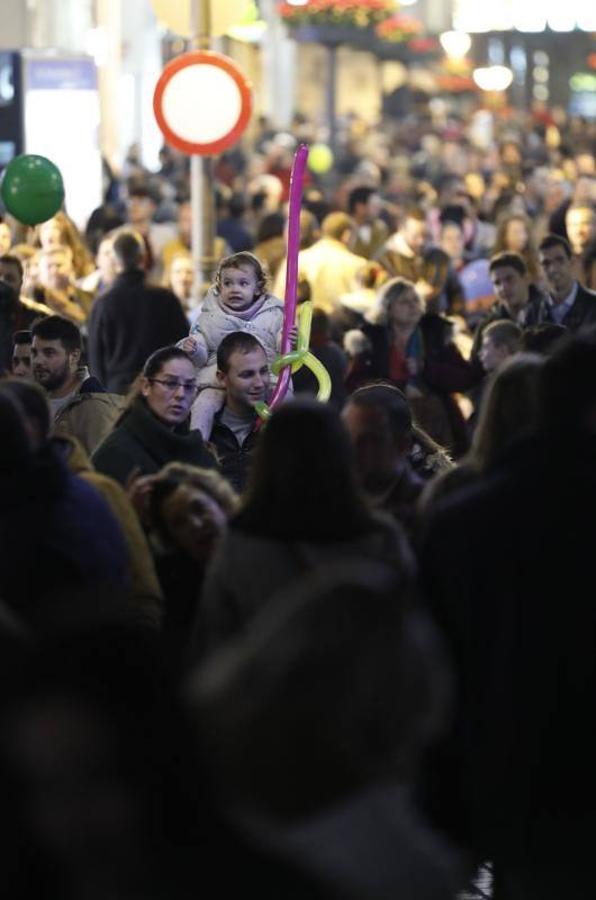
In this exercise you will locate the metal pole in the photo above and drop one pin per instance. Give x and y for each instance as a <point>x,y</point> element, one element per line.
<point>331,95</point>
<point>201,169</point>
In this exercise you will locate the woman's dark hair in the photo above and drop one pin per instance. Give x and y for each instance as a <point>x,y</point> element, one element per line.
<point>567,388</point>
<point>303,483</point>
<point>152,367</point>
<point>272,226</point>
<point>33,401</point>
<point>15,448</point>
<point>157,360</point>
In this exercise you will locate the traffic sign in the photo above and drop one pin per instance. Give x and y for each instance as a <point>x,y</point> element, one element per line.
<point>202,103</point>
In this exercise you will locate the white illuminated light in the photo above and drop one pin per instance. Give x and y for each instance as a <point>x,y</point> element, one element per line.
<point>248,34</point>
<point>455,43</point>
<point>586,18</point>
<point>407,2</point>
<point>201,103</point>
<point>493,78</point>
<point>561,19</point>
<point>96,45</point>
<point>529,18</point>
<point>297,2</point>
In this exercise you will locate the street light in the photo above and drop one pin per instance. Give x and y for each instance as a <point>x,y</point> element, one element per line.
<point>455,43</point>
<point>493,78</point>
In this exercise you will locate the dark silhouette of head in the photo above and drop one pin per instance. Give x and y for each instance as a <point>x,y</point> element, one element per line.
<point>333,688</point>
<point>567,388</point>
<point>303,484</point>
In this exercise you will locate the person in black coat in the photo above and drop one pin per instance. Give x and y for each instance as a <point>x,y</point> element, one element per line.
<point>60,544</point>
<point>131,320</point>
<point>154,430</point>
<point>508,569</point>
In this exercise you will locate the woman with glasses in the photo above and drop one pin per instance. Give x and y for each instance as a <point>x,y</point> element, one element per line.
<point>154,428</point>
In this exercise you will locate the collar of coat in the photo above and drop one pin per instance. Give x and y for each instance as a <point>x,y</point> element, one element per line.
<point>163,443</point>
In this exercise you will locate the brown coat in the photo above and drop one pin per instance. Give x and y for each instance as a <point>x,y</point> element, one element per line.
<point>89,416</point>
<point>147,592</point>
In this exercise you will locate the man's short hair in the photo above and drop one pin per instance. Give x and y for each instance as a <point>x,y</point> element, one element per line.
<point>336,224</point>
<point>391,401</point>
<point>9,260</point>
<point>129,250</point>
<point>413,212</point>
<point>359,195</point>
<point>56,328</point>
<point>20,338</point>
<point>236,342</point>
<point>139,189</point>
<point>507,258</point>
<point>504,333</point>
<point>542,339</point>
<point>555,240</point>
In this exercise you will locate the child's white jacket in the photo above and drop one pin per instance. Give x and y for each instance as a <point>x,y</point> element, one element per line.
<point>214,323</point>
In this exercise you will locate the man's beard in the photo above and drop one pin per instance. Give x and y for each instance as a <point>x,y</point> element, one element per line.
<point>51,381</point>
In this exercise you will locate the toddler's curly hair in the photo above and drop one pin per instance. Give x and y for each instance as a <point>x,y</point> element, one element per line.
<point>235,261</point>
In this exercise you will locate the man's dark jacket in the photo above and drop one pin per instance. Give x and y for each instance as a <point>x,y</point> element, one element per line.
<point>234,460</point>
<point>128,323</point>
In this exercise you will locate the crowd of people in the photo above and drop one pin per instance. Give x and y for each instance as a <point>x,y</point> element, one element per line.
<point>348,653</point>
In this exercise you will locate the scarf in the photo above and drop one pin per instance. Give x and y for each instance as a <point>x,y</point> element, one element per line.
<point>245,314</point>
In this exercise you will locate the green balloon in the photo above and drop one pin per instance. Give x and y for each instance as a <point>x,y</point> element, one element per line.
<point>320,159</point>
<point>32,189</point>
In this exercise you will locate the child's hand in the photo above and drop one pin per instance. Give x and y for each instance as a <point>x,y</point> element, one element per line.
<point>190,345</point>
<point>293,334</point>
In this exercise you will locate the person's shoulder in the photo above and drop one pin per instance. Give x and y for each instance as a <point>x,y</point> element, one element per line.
<point>434,325</point>
<point>162,294</point>
<point>91,385</point>
<point>272,302</point>
<point>585,294</point>
<point>120,437</point>
<point>80,490</point>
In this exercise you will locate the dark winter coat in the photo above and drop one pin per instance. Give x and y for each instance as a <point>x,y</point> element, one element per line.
<point>141,442</point>
<point>128,323</point>
<point>57,535</point>
<point>509,573</point>
<point>234,459</point>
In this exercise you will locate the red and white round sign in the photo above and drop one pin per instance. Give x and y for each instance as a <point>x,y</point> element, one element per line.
<point>202,103</point>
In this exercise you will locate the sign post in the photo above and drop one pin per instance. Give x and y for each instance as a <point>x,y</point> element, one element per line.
<point>202,103</point>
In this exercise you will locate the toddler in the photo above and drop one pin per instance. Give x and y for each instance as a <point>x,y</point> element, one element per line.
<point>237,301</point>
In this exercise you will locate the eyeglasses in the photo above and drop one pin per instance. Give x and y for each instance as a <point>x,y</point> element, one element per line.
<point>172,384</point>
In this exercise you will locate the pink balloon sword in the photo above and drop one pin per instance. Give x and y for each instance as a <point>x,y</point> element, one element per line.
<point>290,298</point>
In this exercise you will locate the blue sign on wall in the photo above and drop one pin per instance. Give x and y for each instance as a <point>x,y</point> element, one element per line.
<point>60,74</point>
